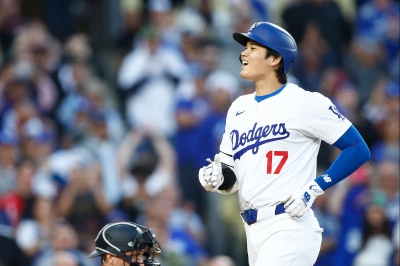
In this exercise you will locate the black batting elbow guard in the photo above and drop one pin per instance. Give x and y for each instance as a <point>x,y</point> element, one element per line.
<point>229,178</point>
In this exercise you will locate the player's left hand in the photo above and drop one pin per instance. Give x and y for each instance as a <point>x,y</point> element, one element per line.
<point>302,199</point>
<point>211,176</point>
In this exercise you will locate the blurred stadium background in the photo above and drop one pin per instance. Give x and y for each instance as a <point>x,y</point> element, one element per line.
<point>109,107</point>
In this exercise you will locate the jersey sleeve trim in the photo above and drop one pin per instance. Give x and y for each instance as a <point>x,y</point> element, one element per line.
<point>226,159</point>
<point>226,154</point>
<point>339,134</point>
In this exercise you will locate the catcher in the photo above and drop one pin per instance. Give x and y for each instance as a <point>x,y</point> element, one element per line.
<point>126,243</point>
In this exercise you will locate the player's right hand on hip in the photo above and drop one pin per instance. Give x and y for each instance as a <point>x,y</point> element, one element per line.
<point>301,200</point>
<point>210,176</point>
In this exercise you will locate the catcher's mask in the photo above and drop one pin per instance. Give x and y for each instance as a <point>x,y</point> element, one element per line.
<point>120,238</point>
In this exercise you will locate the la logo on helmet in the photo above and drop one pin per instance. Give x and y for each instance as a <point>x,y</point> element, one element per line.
<point>252,27</point>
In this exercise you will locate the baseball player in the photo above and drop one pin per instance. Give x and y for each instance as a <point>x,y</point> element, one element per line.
<point>126,243</point>
<point>269,152</point>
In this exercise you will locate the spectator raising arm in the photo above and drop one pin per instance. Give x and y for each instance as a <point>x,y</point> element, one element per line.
<point>124,152</point>
<point>165,152</point>
<point>82,181</point>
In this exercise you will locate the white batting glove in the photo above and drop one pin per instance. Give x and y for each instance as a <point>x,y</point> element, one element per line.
<point>210,176</point>
<point>301,200</point>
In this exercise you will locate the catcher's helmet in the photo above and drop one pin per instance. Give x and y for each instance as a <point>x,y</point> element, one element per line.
<point>121,237</point>
<point>274,38</point>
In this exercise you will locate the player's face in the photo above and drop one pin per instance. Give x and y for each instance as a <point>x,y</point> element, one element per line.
<point>135,255</point>
<point>255,66</point>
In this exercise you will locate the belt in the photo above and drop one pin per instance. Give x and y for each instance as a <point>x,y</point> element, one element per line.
<point>251,216</point>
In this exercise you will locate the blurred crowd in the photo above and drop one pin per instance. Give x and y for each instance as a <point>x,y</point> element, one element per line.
<point>96,132</point>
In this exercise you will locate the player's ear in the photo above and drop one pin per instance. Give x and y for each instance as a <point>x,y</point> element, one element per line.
<point>276,60</point>
<point>108,258</point>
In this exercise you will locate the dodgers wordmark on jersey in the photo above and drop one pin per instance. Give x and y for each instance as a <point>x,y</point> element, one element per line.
<point>273,144</point>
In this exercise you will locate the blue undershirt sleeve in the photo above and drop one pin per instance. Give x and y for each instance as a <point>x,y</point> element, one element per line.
<point>354,153</point>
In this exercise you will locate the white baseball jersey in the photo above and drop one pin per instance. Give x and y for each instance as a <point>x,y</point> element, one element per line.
<point>274,143</point>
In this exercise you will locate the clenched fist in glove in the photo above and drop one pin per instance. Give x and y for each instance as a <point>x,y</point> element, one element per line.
<point>302,199</point>
<point>210,176</point>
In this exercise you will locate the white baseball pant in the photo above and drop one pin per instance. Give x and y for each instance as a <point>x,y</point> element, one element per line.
<point>284,241</point>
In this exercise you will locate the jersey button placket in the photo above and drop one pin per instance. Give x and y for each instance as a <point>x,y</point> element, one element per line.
<point>248,154</point>
<point>248,167</point>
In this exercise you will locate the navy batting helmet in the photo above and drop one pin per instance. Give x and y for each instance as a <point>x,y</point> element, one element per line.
<point>272,37</point>
<point>121,237</point>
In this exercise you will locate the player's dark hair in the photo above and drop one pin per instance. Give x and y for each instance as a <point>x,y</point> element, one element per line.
<point>280,74</point>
